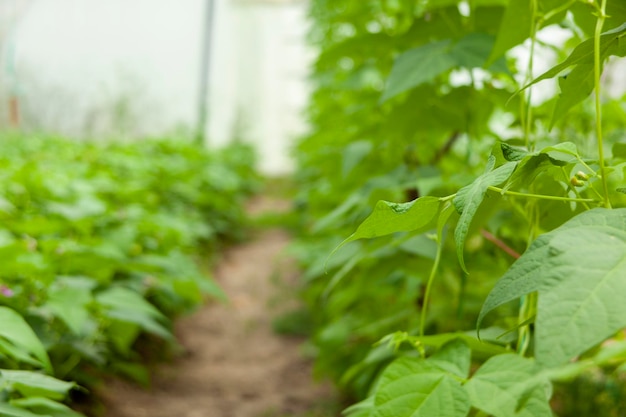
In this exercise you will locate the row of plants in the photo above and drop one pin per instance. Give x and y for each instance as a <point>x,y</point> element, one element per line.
<point>496,275</point>
<point>101,246</point>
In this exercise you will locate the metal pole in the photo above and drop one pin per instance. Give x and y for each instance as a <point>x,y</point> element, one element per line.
<point>205,62</point>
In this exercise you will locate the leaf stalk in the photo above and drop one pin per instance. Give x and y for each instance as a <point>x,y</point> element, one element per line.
<point>541,196</point>
<point>597,71</point>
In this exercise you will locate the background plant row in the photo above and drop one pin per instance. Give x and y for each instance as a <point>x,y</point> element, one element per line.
<point>410,99</point>
<point>101,245</point>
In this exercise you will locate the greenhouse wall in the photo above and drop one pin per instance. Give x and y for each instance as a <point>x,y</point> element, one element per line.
<point>88,68</point>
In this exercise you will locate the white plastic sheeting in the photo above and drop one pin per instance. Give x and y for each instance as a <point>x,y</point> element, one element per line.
<point>131,68</point>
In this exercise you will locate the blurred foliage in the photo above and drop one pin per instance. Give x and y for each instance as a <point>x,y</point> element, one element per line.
<point>409,98</point>
<point>100,244</point>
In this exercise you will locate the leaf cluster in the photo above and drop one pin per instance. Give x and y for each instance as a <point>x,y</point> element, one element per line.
<point>98,250</point>
<point>422,114</point>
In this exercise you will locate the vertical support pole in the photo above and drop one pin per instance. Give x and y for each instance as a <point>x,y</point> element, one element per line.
<point>203,79</point>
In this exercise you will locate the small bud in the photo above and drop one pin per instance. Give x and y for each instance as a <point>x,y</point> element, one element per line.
<point>576,182</point>
<point>582,176</point>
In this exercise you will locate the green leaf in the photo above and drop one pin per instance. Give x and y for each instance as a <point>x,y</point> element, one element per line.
<point>15,330</point>
<point>511,153</point>
<point>469,198</point>
<point>45,406</point>
<point>575,87</point>
<point>388,218</point>
<point>533,164</point>
<point>619,150</point>
<point>578,270</point>
<point>418,66</point>
<point>453,357</point>
<point>7,410</point>
<point>68,303</point>
<point>363,408</point>
<point>33,384</point>
<point>423,64</point>
<point>353,154</point>
<point>585,18</point>
<point>126,305</point>
<point>473,50</point>
<point>507,386</point>
<point>583,53</point>
<point>418,387</point>
<point>515,27</point>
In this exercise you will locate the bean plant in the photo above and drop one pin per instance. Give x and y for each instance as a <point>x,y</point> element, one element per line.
<point>499,268</point>
<point>101,246</point>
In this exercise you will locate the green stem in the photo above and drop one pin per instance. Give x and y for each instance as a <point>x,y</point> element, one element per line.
<point>558,10</point>
<point>583,163</point>
<point>527,122</point>
<point>431,279</point>
<point>541,196</point>
<point>597,72</point>
<point>592,188</point>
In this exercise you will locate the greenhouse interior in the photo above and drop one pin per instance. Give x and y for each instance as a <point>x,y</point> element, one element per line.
<point>313,208</point>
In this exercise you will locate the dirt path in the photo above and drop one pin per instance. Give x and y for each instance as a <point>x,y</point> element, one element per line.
<point>235,366</point>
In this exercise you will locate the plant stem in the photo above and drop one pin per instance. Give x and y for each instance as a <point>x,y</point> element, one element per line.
<point>447,198</point>
<point>597,72</point>
<point>499,243</point>
<point>583,163</point>
<point>558,10</point>
<point>541,196</point>
<point>431,279</point>
<point>527,122</point>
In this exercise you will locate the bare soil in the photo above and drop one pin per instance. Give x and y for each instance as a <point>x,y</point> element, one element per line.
<point>235,365</point>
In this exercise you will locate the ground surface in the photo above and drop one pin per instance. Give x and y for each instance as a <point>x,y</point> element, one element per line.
<point>235,365</point>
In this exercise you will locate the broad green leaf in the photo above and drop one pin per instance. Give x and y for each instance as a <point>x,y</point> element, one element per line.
<point>15,330</point>
<point>17,353</point>
<point>412,387</point>
<point>33,384</point>
<point>45,406</point>
<point>528,169</point>
<point>473,50</point>
<point>578,270</point>
<point>575,87</point>
<point>533,164</point>
<point>564,148</point>
<point>515,27</point>
<point>453,357</point>
<point>619,150</point>
<point>363,408</point>
<point>7,410</point>
<point>511,153</point>
<point>126,305</point>
<point>388,218</point>
<point>507,386</point>
<point>583,53</point>
<point>469,198</point>
<point>69,304</point>
<point>585,17</point>
<point>583,304</point>
<point>353,154</point>
<point>520,279</point>
<point>418,66</point>
<point>423,64</point>
<point>82,208</point>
